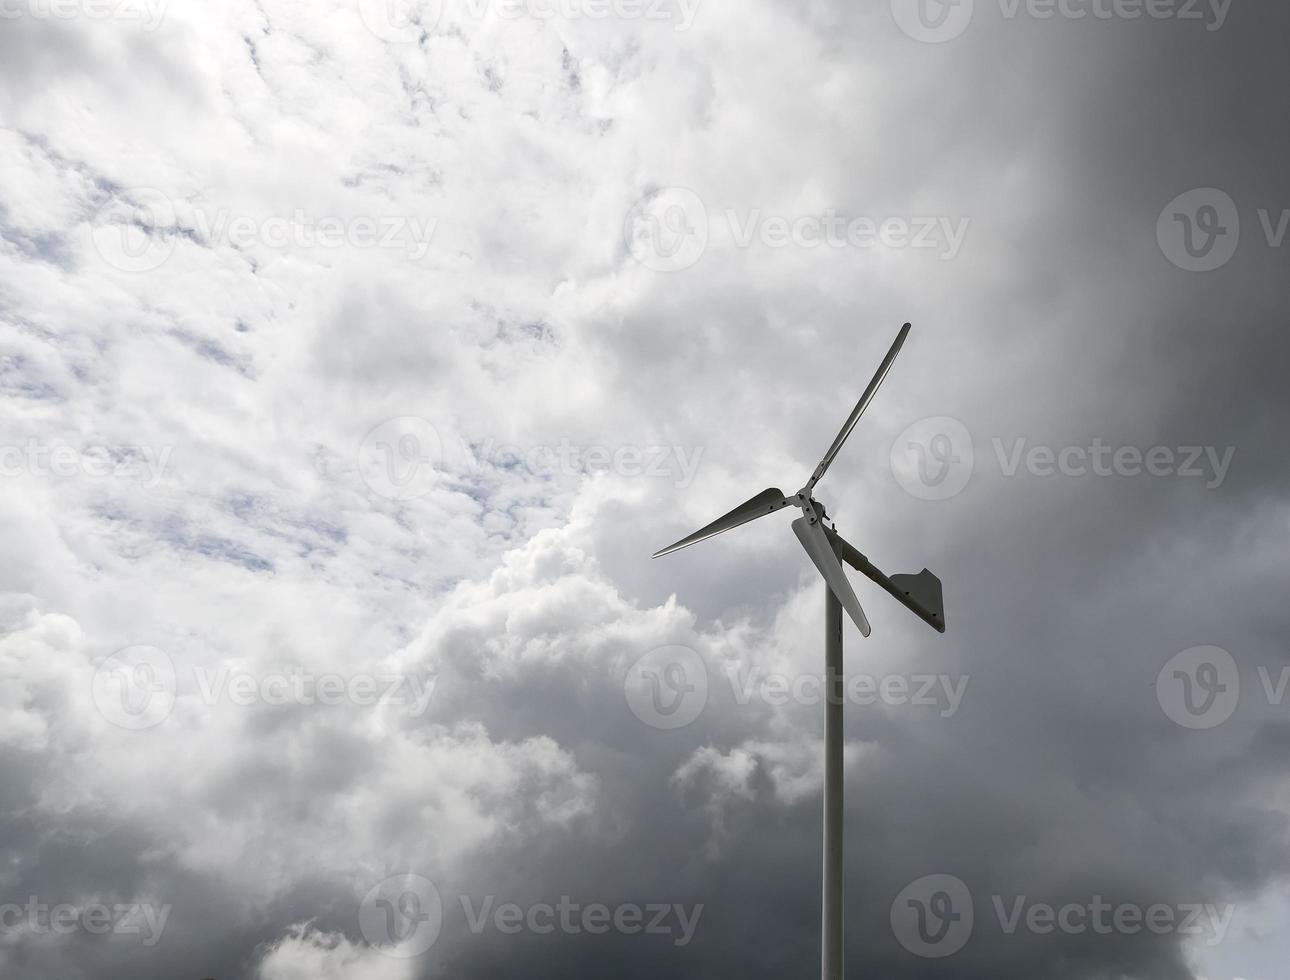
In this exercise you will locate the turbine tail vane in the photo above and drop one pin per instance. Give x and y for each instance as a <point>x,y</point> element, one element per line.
<point>921,594</point>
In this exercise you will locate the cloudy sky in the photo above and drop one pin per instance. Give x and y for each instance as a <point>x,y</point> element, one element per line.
<point>355,355</point>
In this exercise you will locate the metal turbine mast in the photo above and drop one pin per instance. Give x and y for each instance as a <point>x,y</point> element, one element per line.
<point>921,594</point>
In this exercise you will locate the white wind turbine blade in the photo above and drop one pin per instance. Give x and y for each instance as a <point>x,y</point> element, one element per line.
<point>766,502</point>
<point>861,405</point>
<point>820,548</point>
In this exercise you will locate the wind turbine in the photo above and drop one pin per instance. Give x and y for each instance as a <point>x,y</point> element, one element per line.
<point>920,593</point>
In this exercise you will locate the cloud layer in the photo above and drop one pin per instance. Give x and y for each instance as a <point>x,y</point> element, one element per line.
<point>355,356</point>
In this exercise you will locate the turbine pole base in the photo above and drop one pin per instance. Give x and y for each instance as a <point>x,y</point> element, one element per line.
<point>831,908</point>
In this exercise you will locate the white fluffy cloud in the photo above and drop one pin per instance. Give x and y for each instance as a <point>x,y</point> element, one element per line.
<point>304,955</point>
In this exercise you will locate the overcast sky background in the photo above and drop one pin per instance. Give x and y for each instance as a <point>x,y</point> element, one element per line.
<point>338,342</point>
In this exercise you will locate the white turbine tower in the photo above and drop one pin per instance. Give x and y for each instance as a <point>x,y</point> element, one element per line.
<point>920,593</point>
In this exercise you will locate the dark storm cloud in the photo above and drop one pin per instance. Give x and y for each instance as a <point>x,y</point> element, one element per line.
<point>1062,779</point>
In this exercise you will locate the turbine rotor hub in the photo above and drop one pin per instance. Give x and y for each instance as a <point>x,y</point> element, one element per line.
<point>811,507</point>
